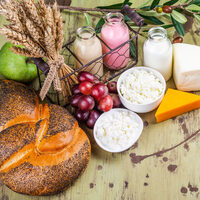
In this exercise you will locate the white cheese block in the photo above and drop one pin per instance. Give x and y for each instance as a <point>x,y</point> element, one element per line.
<point>186,71</point>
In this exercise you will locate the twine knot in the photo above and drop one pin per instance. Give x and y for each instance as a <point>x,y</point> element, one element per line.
<point>52,76</point>
<point>57,63</point>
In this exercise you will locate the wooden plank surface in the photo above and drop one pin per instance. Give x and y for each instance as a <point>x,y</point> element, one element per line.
<point>162,165</point>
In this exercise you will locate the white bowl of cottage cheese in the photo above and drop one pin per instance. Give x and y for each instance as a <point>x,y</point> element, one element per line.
<point>117,130</point>
<point>141,89</point>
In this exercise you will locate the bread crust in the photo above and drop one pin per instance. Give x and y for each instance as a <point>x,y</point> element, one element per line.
<point>42,148</point>
<point>18,104</point>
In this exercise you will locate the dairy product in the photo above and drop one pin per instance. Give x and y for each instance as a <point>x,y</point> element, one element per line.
<point>186,70</point>
<point>87,47</point>
<point>141,87</point>
<point>114,33</point>
<point>117,129</point>
<point>157,52</point>
<point>175,103</point>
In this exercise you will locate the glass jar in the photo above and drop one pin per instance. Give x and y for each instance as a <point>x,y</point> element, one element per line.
<point>87,47</point>
<point>114,33</point>
<point>157,52</point>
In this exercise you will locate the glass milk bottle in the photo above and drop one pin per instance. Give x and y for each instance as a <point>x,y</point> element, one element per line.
<point>157,52</point>
<point>114,33</point>
<point>87,47</point>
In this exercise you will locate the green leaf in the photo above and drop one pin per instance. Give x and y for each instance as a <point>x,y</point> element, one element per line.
<point>169,3</point>
<point>148,13</point>
<point>167,26</point>
<point>183,1</point>
<point>145,4</point>
<point>193,7</point>
<point>153,19</point>
<point>197,17</point>
<point>87,19</point>
<point>99,25</point>
<point>132,49</point>
<point>196,2</point>
<point>180,10</point>
<point>179,17</point>
<point>167,16</point>
<point>145,31</point>
<point>178,26</point>
<point>154,4</point>
<point>126,2</point>
<point>116,6</point>
<point>145,8</point>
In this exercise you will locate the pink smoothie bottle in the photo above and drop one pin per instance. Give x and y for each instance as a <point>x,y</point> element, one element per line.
<point>114,33</point>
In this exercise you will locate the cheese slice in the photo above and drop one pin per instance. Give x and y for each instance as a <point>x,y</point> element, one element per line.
<point>186,68</point>
<point>175,103</point>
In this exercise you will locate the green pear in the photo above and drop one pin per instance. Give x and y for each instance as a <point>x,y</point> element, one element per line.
<point>16,67</point>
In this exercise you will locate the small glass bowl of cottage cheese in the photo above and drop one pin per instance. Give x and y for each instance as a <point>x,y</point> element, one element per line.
<point>117,130</point>
<point>141,89</point>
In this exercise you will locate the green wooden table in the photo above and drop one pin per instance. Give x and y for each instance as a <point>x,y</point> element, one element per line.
<point>163,165</point>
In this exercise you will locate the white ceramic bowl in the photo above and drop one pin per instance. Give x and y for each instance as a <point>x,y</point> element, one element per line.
<point>141,108</point>
<point>135,136</point>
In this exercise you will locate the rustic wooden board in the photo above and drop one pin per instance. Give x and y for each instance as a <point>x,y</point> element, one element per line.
<point>163,164</point>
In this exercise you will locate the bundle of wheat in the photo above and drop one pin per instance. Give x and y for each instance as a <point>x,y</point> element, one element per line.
<point>39,29</point>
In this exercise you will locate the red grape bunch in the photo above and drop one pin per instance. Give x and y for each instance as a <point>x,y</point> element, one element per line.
<point>91,97</point>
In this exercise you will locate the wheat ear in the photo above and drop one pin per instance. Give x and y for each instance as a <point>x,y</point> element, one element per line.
<point>40,30</point>
<point>21,51</point>
<point>32,12</point>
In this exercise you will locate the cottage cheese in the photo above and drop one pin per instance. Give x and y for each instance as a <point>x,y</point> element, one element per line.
<point>117,130</point>
<point>141,87</point>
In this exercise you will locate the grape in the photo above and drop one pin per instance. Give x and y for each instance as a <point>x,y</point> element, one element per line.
<point>75,89</point>
<point>85,87</point>
<point>86,103</point>
<point>81,115</point>
<point>99,91</point>
<point>106,103</point>
<point>86,76</point>
<point>116,100</point>
<point>112,87</point>
<point>75,99</point>
<point>94,115</point>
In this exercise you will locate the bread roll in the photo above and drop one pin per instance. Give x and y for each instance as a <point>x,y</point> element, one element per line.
<point>42,149</point>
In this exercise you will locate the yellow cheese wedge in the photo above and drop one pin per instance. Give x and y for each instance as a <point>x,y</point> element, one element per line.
<point>175,103</point>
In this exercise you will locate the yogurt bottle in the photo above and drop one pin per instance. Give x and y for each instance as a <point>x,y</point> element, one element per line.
<point>87,47</point>
<point>114,33</point>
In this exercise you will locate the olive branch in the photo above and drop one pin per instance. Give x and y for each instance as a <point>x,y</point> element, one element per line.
<point>174,12</point>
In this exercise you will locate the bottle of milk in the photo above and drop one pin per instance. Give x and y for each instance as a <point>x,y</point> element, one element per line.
<point>87,47</point>
<point>157,52</point>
